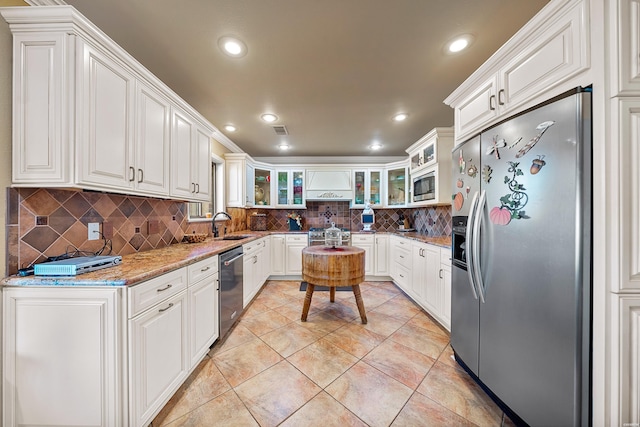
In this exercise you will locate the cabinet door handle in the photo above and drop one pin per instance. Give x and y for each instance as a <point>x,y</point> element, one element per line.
<point>132,177</point>
<point>165,288</point>
<point>492,102</point>
<point>140,175</point>
<point>197,188</point>
<point>401,275</point>
<point>193,187</point>
<point>501,97</point>
<point>167,308</point>
<point>204,269</point>
<point>440,274</point>
<point>255,259</point>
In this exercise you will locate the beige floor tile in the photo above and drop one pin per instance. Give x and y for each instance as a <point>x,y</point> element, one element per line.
<point>265,322</point>
<point>401,363</point>
<point>454,389</point>
<point>397,309</point>
<point>274,299</point>
<point>427,343</point>
<point>322,362</point>
<point>238,336</point>
<point>205,383</point>
<point>276,393</point>
<point>380,323</point>
<point>254,309</point>
<point>343,309</point>
<point>323,323</point>
<point>289,339</point>
<point>225,410</point>
<point>374,299</point>
<point>323,411</point>
<point>424,412</point>
<point>448,358</point>
<point>293,311</point>
<point>245,361</point>
<point>354,339</point>
<point>371,395</point>
<point>424,321</point>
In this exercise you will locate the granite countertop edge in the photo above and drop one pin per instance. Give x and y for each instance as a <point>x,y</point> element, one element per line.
<point>141,266</point>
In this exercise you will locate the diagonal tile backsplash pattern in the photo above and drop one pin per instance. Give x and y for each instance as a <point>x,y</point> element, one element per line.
<point>43,223</point>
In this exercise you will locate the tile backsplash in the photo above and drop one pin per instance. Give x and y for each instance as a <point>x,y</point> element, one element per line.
<point>48,222</point>
<point>434,221</point>
<point>44,222</point>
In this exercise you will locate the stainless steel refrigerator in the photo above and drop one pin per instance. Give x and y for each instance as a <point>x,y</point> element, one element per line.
<point>521,274</point>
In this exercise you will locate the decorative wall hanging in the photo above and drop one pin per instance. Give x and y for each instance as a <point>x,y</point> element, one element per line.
<point>514,202</point>
<point>542,127</point>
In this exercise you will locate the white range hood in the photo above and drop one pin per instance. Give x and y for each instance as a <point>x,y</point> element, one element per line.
<point>329,184</point>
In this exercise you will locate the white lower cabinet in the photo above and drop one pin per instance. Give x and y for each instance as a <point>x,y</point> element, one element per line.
<point>63,357</point>
<point>445,287</point>
<point>626,342</point>
<point>425,281</point>
<point>253,268</point>
<point>295,243</point>
<point>277,254</point>
<point>203,308</point>
<point>366,242</point>
<point>381,265</point>
<point>158,357</point>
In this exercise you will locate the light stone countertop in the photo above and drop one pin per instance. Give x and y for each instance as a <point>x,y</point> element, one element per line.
<point>141,266</point>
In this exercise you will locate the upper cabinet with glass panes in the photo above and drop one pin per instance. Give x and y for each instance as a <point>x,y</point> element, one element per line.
<point>290,188</point>
<point>367,187</point>
<point>262,187</point>
<point>429,149</point>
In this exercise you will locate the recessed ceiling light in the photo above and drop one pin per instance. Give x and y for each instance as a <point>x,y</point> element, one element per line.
<point>232,46</point>
<point>459,43</point>
<point>400,117</point>
<point>230,128</point>
<point>283,146</point>
<point>269,118</point>
<point>375,146</point>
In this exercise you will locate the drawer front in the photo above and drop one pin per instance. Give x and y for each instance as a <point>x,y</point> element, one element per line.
<point>153,291</point>
<point>202,269</point>
<point>251,247</point>
<point>403,257</point>
<point>296,238</point>
<point>402,276</point>
<point>402,243</point>
<point>445,256</point>
<point>361,238</point>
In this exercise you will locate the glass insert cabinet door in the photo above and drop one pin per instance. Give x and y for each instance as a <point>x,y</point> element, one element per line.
<point>367,187</point>
<point>290,188</point>
<point>397,187</point>
<point>262,187</point>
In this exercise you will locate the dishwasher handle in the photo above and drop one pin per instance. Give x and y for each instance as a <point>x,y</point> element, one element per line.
<point>229,262</point>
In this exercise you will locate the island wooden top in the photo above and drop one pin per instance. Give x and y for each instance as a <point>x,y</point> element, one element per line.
<point>333,266</point>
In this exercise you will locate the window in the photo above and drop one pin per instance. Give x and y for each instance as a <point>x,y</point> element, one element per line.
<point>198,210</point>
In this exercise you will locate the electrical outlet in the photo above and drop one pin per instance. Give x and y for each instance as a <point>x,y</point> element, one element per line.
<point>93,230</point>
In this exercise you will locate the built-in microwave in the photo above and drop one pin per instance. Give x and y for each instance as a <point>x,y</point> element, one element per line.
<point>424,187</point>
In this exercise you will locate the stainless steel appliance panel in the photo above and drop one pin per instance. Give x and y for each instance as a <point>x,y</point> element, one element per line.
<point>231,288</point>
<point>532,269</point>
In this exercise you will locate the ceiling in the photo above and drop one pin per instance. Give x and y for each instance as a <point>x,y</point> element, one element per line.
<point>333,71</point>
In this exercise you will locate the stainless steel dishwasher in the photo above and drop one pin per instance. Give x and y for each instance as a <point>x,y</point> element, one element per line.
<point>230,288</point>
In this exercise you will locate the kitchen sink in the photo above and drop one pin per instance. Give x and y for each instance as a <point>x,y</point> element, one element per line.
<point>240,237</point>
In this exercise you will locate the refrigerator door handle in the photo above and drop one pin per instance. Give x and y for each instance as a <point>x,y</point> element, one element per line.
<point>469,245</point>
<point>477,221</point>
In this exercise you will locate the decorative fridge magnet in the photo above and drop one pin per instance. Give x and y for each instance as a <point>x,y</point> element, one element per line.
<point>458,201</point>
<point>514,143</point>
<point>537,164</point>
<point>468,190</point>
<point>514,202</point>
<point>461,163</point>
<point>542,127</point>
<point>472,171</point>
<point>495,145</point>
<point>486,173</point>
<point>459,183</point>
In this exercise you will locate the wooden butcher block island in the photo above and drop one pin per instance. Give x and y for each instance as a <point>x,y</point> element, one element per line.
<point>333,266</point>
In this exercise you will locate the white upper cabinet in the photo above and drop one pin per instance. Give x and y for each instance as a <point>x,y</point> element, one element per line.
<point>539,62</point>
<point>87,115</point>
<point>626,43</point>
<point>432,148</point>
<point>190,159</point>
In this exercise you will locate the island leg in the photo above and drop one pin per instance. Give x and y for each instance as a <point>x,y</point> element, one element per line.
<point>332,293</point>
<point>307,302</point>
<point>360,303</point>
